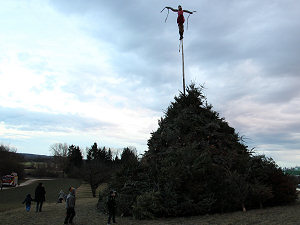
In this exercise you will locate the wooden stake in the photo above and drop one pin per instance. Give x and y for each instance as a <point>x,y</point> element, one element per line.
<point>183,67</point>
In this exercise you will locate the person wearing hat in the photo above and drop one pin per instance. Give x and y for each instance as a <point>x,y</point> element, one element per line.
<point>180,19</point>
<point>70,206</point>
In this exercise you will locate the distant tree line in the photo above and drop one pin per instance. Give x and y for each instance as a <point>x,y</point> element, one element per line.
<point>10,162</point>
<point>99,167</point>
<point>292,171</point>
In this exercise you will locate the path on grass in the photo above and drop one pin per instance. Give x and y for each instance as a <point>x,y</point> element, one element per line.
<point>31,180</point>
<point>27,182</point>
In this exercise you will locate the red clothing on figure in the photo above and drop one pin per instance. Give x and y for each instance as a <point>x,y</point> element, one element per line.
<point>180,18</point>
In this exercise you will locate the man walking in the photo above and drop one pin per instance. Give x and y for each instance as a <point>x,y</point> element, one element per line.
<point>70,206</point>
<point>39,197</point>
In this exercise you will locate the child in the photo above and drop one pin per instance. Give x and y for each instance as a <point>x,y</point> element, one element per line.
<point>61,196</point>
<point>180,19</point>
<point>27,202</point>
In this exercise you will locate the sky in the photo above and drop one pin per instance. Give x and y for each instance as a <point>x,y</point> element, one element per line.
<point>80,72</point>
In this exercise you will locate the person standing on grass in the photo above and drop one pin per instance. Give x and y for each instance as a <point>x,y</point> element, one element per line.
<point>39,197</point>
<point>27,202</point>
<point>111,205</point>
<point>70,206</point>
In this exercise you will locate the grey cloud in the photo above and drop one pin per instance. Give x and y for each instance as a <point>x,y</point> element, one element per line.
<point>282,141</point>
<point>220,32</point>
<point>267,32</point>
<point>40,121</point>
<point>221,35</point>
<point>280,93</point>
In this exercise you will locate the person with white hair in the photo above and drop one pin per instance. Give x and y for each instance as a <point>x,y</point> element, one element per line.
<point>70,206</point>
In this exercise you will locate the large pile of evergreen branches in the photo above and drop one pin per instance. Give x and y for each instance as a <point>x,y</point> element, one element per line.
<point>197,164</point>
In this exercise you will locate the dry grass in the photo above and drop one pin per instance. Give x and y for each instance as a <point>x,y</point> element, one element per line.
<point>13,198</point>
<point>87,214</point>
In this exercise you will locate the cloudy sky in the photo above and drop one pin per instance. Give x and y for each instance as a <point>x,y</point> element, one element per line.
<point>104,71</point>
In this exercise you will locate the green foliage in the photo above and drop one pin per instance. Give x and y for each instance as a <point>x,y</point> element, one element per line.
<point>75,156</point>
<point>148,206</point>
<point>98,167</point>
<point>293,171</point>
<point>10,162</point>
<point>260,193</point>
<point>196,164</point>
<point>100,154</point>
<point>74,162</point>
<point>128,156</point>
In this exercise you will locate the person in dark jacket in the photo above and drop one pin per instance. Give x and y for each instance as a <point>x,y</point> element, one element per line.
<point>39,197</point>
<point>111,206</point>
<point>70,206</point>
<point>27,202</point>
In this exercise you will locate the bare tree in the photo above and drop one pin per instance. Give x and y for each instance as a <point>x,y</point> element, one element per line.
<point>60,154</point>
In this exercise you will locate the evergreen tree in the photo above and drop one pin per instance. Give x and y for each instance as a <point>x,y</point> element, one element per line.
<point>109,155</point>
<point>92,152</point>
<point>129,155</point>
<point>74,161</point>
<point>196,164</point>
<point>75,156</point>
<point>99,167</point>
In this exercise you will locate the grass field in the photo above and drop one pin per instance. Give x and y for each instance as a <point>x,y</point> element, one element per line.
<point>12,198</point>
<point>87,214</point>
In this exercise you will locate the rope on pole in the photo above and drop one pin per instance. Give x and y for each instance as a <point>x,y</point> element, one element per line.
<point>167,14</point>
<point>187,25</point>
<point>187,22</point>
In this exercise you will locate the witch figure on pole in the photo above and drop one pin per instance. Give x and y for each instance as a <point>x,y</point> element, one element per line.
<point>180,19</point>
<point>180,22</point>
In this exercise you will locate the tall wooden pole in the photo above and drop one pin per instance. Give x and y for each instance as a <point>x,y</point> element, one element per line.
<point>183,80</point>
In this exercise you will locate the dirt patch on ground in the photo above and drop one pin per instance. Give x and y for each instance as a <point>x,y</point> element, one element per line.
<point>27,182</point>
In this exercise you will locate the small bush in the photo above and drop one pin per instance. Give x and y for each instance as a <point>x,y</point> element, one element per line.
<point>103,195</point>
<point>148,206</point>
